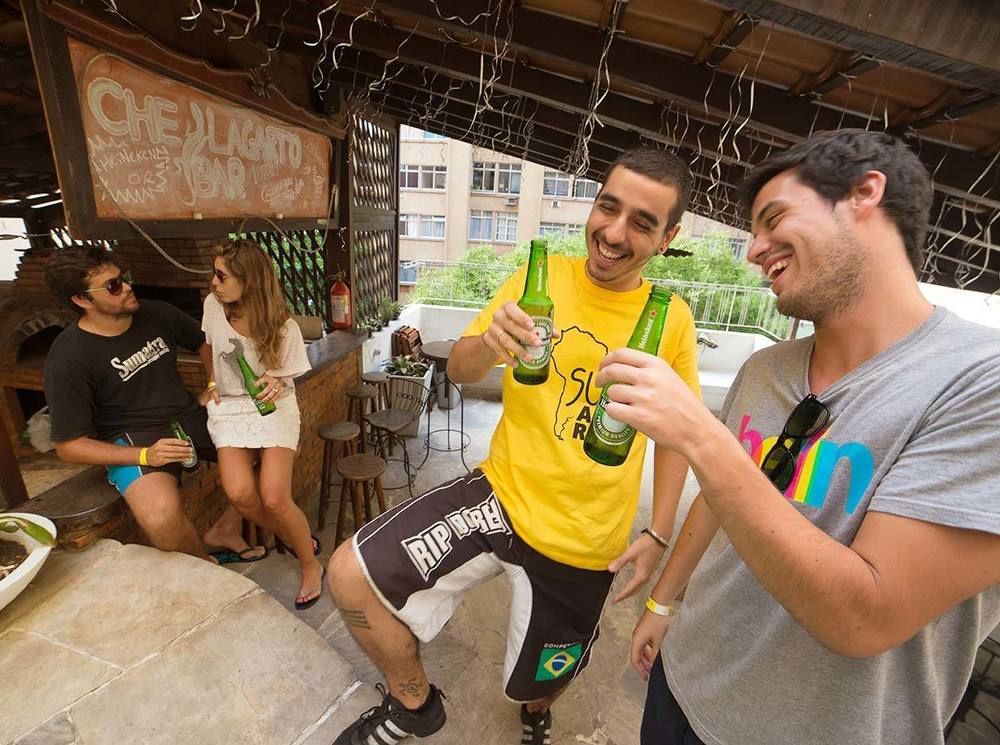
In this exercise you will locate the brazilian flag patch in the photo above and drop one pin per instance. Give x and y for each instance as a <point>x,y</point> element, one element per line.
<point>554,663</point>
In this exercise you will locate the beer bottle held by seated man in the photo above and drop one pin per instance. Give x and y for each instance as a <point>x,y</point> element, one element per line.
<point>536,303</point>
<point>608,440</point>
<point>180,434</point>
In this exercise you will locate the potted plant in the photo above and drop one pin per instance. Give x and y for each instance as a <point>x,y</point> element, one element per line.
<point>388,310</point>
<point>25,543</point>
<point>404,366</point>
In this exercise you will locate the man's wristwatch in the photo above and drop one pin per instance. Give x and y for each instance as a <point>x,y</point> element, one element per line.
<point>670,609</point>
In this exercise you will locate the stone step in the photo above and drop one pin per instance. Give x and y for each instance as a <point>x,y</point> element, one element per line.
<point>130,644</point>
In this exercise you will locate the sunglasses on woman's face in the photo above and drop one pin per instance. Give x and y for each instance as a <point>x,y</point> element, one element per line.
<point>115,285</point>
<point>806,419</point>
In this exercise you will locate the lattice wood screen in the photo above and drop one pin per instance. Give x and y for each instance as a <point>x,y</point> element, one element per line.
<point>302,272</point>
<point>374,216</point>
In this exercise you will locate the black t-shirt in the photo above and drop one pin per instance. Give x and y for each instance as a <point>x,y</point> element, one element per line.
<point>102,386</point>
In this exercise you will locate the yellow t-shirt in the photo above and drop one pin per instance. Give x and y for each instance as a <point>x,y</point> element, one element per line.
<point>563,504</point>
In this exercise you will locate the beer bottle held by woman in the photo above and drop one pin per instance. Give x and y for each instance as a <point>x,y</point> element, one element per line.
<point>536,303</point>
<point>249,382</point>
<point>608,440</point>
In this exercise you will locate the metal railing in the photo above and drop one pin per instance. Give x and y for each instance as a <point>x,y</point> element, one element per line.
<point>714,306</point>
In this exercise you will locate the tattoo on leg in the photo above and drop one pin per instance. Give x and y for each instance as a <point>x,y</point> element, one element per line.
<point>410,688</point>
<point>355,618</point>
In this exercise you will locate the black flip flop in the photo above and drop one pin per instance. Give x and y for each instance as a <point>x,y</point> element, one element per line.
<point>228,556</point>
<point>306,604</point>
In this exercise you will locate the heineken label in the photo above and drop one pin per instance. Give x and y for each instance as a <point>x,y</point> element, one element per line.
<point>608,429</point>
<point>538,357</point>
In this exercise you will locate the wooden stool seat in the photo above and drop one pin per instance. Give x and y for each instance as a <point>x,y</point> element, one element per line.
<point>361,474</point>
<point>362,391</point>
<point>361,467</point>
<point>340,440</point>
<point>339,431</point>
<point>380,380</point>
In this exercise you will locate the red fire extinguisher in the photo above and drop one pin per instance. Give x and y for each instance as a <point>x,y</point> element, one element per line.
<point>340,302</point>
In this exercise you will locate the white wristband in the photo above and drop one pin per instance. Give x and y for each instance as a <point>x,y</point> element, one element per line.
<point>659,609</point>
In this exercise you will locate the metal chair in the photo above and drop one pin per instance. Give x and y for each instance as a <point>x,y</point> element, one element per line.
<point>408,399</point>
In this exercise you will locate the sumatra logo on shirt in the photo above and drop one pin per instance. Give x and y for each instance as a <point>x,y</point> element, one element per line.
<point>150,353</point>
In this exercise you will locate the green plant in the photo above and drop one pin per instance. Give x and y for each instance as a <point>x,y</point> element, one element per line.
<point>12,524</point>
<point>371,324</point>
<point>405,366</point>
<point>388,310</point>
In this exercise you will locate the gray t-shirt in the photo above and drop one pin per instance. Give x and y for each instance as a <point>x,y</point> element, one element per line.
<point>914,431</point>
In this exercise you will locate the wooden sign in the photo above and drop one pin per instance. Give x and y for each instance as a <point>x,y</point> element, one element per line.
<point>163,150</point>
<point>146,136</point>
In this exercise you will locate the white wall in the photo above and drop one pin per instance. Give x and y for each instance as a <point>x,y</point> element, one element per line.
<point>10,250</point>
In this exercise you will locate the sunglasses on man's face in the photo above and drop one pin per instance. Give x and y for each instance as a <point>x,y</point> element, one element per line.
<point>115,285</point>
<point>806,419</point>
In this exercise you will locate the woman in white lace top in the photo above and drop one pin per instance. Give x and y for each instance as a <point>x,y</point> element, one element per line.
<point>246,316</point>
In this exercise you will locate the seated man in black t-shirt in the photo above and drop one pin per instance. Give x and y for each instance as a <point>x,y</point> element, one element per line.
<point>112,387</point>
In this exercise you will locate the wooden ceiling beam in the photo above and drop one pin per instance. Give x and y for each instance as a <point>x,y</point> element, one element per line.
<point>733,28</point>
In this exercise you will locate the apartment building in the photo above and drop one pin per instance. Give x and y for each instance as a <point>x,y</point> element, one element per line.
<point>453,195</point>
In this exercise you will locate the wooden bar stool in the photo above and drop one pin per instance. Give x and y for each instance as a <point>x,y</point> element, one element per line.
<point>380,380</point>
<point>340,439</point>
<point>361,402</point>
<point>361,474</point>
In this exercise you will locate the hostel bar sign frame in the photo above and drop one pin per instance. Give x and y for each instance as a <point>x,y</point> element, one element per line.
<point>141,134</point>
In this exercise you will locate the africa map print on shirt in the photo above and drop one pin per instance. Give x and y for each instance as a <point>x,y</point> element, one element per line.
<point>815,465</point>
<point>579,396</point>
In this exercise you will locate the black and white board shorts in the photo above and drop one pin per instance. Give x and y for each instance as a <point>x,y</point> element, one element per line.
<point>421,556</point>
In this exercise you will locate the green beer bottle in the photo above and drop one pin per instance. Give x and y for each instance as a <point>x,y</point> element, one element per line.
<point>249,376</point>
<point>536,303</point>
<point>180,434</point>
<point>608,440</point>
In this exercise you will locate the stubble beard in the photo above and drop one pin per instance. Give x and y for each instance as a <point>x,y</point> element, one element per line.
<point>830,289</point>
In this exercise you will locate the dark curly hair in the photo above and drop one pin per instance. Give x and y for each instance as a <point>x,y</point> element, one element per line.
<point>663,166</point>
<point>831,163</point>
<point>68,271</point>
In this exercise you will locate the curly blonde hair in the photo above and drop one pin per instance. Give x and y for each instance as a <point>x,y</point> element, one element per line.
<point>263,302</point>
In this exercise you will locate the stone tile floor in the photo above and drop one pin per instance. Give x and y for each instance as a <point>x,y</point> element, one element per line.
<point>603,707</point>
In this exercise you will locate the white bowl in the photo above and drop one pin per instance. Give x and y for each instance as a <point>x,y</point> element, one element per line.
<point>12,585</point>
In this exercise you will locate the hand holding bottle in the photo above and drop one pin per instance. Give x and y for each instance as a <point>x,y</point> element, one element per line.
<point>270,387</point>
<point>512,335</point>
<point>168,450</point>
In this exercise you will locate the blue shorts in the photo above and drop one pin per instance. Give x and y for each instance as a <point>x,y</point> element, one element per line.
<point>194,424</point>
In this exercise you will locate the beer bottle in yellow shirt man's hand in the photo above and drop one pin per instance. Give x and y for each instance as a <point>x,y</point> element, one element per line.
<point>536,303</point>
<point>608,440</point>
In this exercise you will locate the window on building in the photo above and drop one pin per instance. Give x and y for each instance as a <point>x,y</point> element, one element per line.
<point>492,226</point>
<point>555,184</point>
<point>558,228</point>
<point>507,227</point>
<point>497,178</point>
<point>584,188</point>
<point>421,226</point>
<point>406,132</point>
<point>480,225</point>
<point>422,177</point>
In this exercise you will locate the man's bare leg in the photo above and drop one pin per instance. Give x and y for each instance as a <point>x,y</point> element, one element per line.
<point>390,644</point>
<point>227,532</point>
<point>156,504</point>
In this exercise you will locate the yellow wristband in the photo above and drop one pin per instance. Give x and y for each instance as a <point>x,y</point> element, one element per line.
<point>660,609</point>
<point>142,457</point>
<point>211,385</point>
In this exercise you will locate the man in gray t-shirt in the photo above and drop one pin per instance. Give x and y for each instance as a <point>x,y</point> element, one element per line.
<point>857,568</point>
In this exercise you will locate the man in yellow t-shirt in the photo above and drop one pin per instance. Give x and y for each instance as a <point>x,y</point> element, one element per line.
<point>537,509</point>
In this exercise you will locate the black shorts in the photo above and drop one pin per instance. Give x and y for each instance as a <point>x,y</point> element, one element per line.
<point>195,425</point>
<point>421,556</point>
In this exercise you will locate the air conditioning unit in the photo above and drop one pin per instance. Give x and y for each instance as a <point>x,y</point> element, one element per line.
<point>510,201</point>
<point>556,203</point>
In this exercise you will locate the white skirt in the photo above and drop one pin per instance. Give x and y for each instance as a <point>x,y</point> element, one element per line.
<point>235,423</point>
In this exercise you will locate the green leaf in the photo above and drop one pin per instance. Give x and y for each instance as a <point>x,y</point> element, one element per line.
<point>33,530</point>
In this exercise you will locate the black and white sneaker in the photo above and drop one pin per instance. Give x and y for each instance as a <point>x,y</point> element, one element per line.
<point>390,722</point>
<point>537,727</point>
